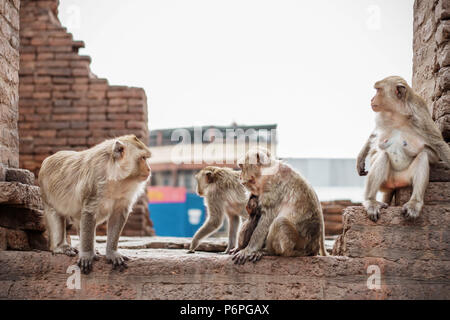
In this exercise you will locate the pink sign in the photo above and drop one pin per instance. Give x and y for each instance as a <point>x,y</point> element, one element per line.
<point>166,194</point>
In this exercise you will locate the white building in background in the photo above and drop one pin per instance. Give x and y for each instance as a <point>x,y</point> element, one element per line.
<point>179,153</point>
<point>333,179</point>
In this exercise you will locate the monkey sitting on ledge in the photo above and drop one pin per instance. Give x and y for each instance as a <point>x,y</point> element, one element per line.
<point>90,187</point>
<point>291,222</point>
<point>402,146</point>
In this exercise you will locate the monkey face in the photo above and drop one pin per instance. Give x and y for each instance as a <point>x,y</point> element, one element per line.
<point>131,157</point>
<point>143,166</point>
<point>204,178</point>
<point>250,176</point>
<point>251,169</point>
<point>390,96</point>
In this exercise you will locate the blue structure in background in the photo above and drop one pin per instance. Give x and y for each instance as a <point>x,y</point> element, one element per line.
<point>180,219</point>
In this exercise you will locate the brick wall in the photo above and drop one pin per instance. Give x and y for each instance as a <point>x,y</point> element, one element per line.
<point>332,215</point>
<point>431,62</point>
<point>9,82</point>
<point>63,105</point>
<point>21,226</point>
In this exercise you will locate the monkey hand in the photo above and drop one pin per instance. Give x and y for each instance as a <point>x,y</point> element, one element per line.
<point>86,260</point>
<point>360,167</point>
<point>117,260</point>
<point>246,254</point>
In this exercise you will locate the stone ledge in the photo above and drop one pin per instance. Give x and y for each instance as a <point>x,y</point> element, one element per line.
<point>173,274</point>
<point>439,172</point>
<point>16,193</point>
<point>19,175</point>
<point>211,244</point>
<point>431,216</point>
<point>436,193</point>
<point>393,237</point>
<point>21,218</point>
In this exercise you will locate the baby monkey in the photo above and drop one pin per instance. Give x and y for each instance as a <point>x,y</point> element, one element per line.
<point>224,194</point>
<point>254,212</point>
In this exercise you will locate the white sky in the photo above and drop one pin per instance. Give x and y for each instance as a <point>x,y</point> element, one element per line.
<point>308,66</point>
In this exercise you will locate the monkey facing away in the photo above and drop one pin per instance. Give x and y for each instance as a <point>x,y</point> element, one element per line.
<point>291,222</point>
<point>248,226</point>
<point>90,187</point>
<point>224,194</point>
<point>402,146</point>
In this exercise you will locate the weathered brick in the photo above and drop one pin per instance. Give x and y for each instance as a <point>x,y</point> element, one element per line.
<point>69,117</point>
<point>63,106</point>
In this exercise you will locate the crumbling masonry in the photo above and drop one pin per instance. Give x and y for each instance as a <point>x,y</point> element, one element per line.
<point>21,226</point>
<point>63,106</point>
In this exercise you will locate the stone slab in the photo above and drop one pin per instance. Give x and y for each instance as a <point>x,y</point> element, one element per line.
<point>173,274</point>
<point>439,173</point>
<point>15,193</point>
<point>394,237</point>
<point>436,193</point>
<point>21,218</point>
<point>19,175</point>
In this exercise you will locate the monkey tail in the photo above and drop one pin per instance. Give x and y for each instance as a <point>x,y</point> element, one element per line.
<point>444,153</point>
<point>322,250</point>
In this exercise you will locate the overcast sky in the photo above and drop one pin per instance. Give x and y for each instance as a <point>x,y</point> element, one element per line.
<point>308,66</point>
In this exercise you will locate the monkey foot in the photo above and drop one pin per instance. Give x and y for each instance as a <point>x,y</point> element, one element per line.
<point>243,256</point>
<point>233,251</point>
<point>67,250</point>
<point>373,209</point>
<point>412,209</point>
<point>191,251</point>
<point>86,261</point>
<point>117,260</point>
<point>228,250</point>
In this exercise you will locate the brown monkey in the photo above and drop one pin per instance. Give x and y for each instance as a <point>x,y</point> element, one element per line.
<point>247,228</point>
<point>402,146</point>
<point>90,187</point>
<point>223,193</point>
<point>291,222</point>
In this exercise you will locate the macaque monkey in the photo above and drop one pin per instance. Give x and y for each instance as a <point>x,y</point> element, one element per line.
<point>90,187</point>
<point>291,222</point>
<point>402,146</point>
<point>247,228</point>
<point>224,194</point>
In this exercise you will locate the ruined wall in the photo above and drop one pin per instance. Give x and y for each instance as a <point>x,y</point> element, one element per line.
<point>431,62</point>
<point>9,82</point>
<point>21,226</point>
<point>63,105</point>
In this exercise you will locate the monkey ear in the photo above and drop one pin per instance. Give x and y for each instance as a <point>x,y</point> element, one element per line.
<point>118,150</point>
<point>262,158</point>
<point>400,91</point>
